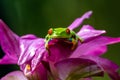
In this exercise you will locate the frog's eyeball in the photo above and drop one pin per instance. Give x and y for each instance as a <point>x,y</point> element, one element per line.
<point>50,31</point>
<point>68,31</point>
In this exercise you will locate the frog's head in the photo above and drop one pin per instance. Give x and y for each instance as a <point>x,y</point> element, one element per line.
<point>59,33</point>
<point>64,34</point>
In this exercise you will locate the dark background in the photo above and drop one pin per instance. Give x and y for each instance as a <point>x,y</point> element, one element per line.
<point>37,16</point>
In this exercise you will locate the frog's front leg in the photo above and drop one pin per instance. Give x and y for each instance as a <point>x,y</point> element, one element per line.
<point>75,43</point>
<point>47,47</point>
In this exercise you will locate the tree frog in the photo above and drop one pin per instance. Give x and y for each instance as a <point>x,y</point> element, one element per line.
<point>62,33</point>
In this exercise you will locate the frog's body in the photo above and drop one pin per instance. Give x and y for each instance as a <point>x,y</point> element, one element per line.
<point>62,33</point>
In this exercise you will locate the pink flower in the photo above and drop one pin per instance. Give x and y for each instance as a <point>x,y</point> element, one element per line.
<point>61,63</point>
<point>27,51</point>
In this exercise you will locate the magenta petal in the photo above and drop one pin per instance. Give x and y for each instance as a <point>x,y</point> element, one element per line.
<point>39,56</point>
<point>40,73</point>
<point>32,53</point>
<point>9,42</point>
<point>108,66</point>
<point>16,75</point>
<point>88,31</point>
<point>97,51</point>
<point>36,72</point>
<point>28,47</point>
<point>29,36</point>
<point>95,46</point>
<point>7,60</point>
<point>79,21</point>
<point>76,68</point>
<point>59,50</point>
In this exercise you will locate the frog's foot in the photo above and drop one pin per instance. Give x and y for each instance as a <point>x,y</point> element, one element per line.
<point>81,40</point>
<point>74,45</point>
<point>47,48</point>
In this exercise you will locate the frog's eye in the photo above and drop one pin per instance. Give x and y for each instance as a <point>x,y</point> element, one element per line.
<point>50,31</point>
<point>68,31</point>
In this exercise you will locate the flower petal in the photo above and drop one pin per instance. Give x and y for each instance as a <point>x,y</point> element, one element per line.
<point>32,53</point>
<point>7,60</point>
<point>28,47</point>
<point>29,36</point>
<point>88,31</point>
<point>58,50</point>
<point>108,66</point>
<point>16,75</point>
<point>79,21</point>
<point>76,68</point>
<point>40,73</point>
<point>95,46</point>
<point>39,56</point>
<point>9,42</point>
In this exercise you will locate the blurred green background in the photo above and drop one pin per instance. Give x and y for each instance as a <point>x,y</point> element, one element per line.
<point>37,16</point>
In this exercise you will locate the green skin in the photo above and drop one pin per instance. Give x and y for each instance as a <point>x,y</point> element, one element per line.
<point>60,33</point>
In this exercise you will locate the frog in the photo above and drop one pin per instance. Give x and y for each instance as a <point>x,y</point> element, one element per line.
<point>69,36</point>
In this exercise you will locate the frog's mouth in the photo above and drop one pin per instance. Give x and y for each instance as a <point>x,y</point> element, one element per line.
<point>62,42</point>
<point>57,40</point>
